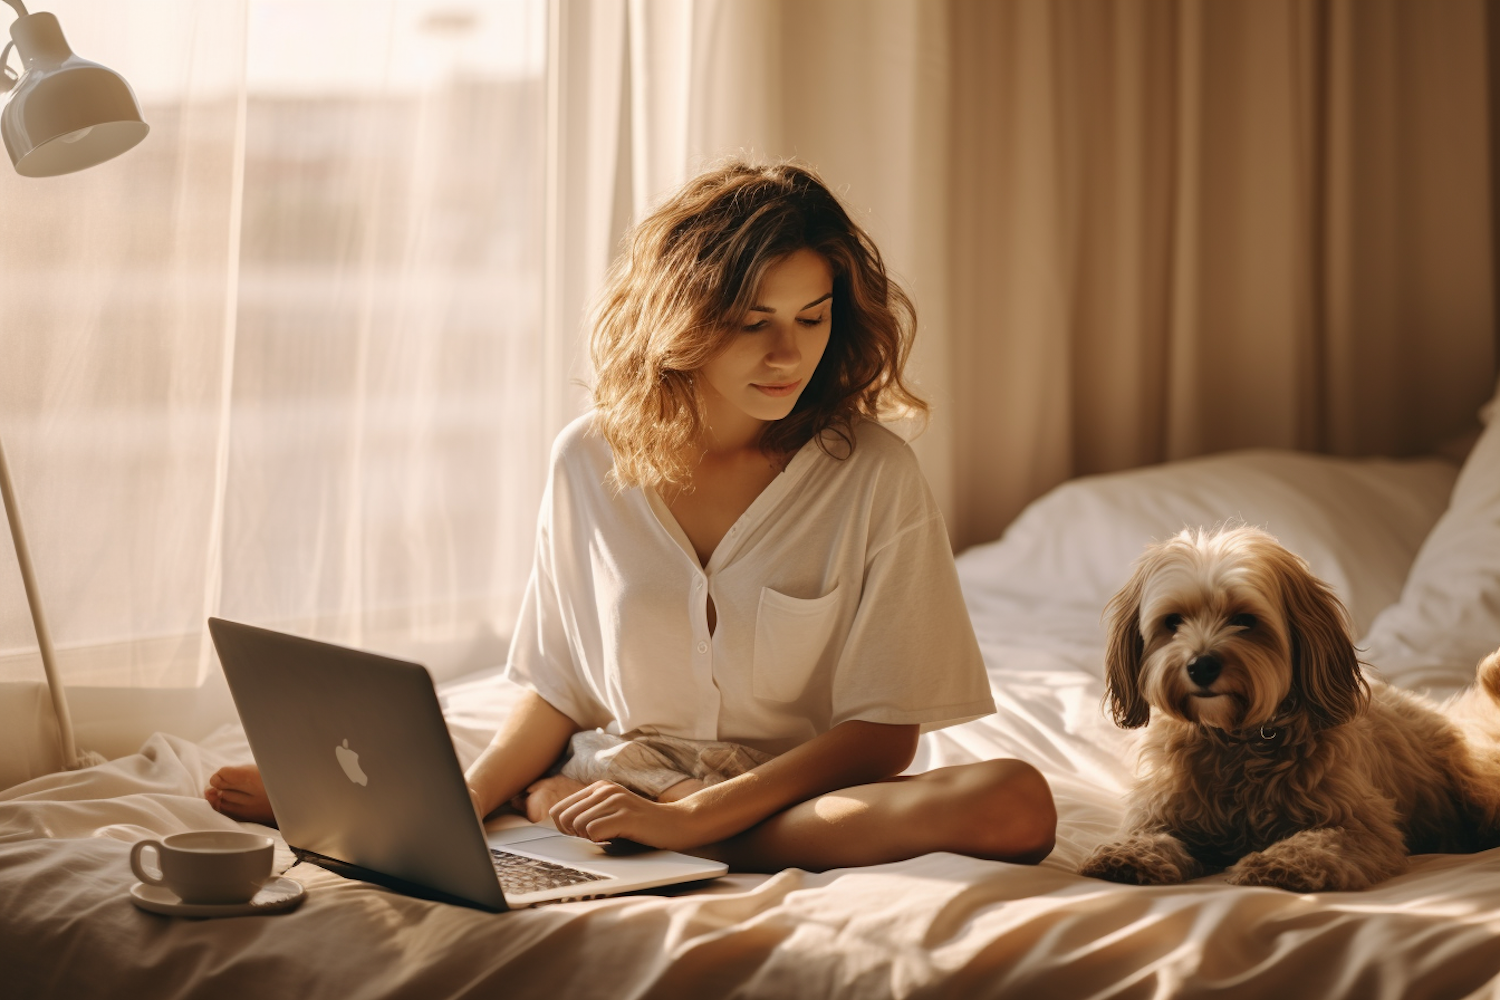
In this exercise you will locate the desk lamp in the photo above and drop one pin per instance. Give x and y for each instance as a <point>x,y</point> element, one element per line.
<point>60,114</point>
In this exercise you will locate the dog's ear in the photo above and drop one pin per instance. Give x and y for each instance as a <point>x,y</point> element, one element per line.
<point>1122,657</point>
<point>1326,679</point>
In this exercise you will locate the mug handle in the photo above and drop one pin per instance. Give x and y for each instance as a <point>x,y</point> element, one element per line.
<point>135,861</point>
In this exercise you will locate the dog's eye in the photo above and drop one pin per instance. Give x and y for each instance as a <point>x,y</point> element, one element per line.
<point>1171,622</point>
<point>1243,621</point>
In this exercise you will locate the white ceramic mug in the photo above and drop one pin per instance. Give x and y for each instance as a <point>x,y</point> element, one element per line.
<point>207,866</point>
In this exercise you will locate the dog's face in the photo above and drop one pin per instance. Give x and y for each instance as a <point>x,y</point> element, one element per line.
<point>1228,629</point>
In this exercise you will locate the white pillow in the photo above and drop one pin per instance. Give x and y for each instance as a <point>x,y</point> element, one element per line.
<point>1448,617</point>
<point>1358,523</point>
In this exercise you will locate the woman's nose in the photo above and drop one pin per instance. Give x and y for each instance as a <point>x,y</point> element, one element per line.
<point>784,351</point>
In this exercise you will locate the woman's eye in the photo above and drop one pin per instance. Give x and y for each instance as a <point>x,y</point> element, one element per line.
<point>1171,622</point>
<point>814,322</point>
<point>752,327</point>
<point>1243,621</point>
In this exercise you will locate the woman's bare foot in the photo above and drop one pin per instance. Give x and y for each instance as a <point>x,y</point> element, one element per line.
<point>237,792</point>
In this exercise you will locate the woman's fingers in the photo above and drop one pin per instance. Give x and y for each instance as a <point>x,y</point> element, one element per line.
<point>599,823</point>
<point>568,809</point>
<point>592,812</point>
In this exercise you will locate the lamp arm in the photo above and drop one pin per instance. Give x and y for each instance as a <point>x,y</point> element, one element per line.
<point>19,7</point>
<point>72,759</point>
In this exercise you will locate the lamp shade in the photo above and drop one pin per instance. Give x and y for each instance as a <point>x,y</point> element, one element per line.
<point>65,113</point>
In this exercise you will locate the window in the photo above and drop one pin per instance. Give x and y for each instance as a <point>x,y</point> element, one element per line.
<point>280,362</point>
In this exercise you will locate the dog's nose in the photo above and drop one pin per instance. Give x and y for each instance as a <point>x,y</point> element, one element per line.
<point>1205,669</point>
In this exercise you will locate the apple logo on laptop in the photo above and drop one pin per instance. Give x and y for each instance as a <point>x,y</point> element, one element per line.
<point>349,761</point>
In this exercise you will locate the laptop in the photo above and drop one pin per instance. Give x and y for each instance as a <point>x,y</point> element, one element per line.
<point>364,781</point>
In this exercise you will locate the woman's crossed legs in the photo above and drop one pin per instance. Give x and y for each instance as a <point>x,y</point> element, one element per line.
<point>999,810</point>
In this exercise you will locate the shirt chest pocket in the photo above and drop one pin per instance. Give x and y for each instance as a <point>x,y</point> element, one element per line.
<point>791,635</point>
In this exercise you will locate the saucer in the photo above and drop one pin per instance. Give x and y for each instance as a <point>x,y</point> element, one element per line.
<point>278,895</point>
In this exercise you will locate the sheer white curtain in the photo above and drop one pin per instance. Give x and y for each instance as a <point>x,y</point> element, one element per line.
<point>285,361</point>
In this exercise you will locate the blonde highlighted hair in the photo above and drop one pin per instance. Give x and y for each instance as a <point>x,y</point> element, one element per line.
<point>676,294</point>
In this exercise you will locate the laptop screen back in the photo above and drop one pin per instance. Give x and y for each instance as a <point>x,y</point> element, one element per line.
<point>357,760</point>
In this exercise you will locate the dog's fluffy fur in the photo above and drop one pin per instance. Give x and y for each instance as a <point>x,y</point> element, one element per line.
<point>1268,754</point>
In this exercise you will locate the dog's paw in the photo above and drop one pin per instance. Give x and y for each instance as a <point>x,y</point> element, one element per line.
<point>1139,861</point>
<point>1268,868</point>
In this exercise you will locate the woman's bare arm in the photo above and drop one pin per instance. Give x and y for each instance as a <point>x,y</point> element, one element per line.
<point>521,752</point>
<point>852,753</point>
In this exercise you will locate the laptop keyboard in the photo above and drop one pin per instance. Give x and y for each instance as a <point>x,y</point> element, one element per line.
<point>520,874</point>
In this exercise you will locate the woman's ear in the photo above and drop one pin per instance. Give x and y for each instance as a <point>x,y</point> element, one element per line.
<point>1326,679</point>
<point>1122,658</point>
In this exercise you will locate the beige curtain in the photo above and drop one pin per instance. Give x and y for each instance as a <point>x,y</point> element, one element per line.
<point>1182,227</point>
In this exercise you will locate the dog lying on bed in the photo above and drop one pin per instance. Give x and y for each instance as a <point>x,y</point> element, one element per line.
<point>1268,754</point>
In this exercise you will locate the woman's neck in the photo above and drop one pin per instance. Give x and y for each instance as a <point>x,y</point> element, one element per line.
<point>728,431</point>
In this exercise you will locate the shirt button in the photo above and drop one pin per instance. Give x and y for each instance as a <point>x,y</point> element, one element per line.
<point>698,583</point>
<point>702,647</point>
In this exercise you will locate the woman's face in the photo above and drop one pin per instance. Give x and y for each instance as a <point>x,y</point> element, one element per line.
<point>780,340</point>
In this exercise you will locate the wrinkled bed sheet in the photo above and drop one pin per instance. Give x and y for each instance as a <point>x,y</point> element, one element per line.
<point>937,926</point>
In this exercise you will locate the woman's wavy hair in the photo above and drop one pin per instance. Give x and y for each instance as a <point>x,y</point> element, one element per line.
<point>676,295</point>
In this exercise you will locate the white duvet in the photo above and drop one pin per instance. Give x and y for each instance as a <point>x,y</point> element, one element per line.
<point>936,926</point>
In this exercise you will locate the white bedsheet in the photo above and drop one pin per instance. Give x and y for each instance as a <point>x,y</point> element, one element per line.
<point>938,926</point>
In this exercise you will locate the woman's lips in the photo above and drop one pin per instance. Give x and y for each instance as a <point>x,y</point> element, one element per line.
<point>781,389</point>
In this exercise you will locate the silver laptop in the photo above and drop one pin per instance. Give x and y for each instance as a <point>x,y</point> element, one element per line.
<point>362,776</point>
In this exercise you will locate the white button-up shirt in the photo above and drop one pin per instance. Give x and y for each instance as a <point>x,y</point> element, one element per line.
<point>835,594</point>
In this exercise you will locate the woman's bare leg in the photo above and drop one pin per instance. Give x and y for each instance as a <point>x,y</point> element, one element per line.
<point>238,793</point>
<point>1000,810</point>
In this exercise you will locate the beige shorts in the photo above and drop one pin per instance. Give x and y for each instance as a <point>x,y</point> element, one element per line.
<point>648,763</point>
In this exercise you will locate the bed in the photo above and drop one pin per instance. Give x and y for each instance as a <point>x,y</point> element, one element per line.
<point>1412,546</point>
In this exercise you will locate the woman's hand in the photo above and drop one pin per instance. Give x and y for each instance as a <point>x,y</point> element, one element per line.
<point>541,795</point>
<point>607,811</point>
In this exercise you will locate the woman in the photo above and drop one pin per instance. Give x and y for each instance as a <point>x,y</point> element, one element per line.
<point>743,607</point>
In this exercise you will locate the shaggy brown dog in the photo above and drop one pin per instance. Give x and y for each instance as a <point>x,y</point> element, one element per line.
<point>1268,754</point>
